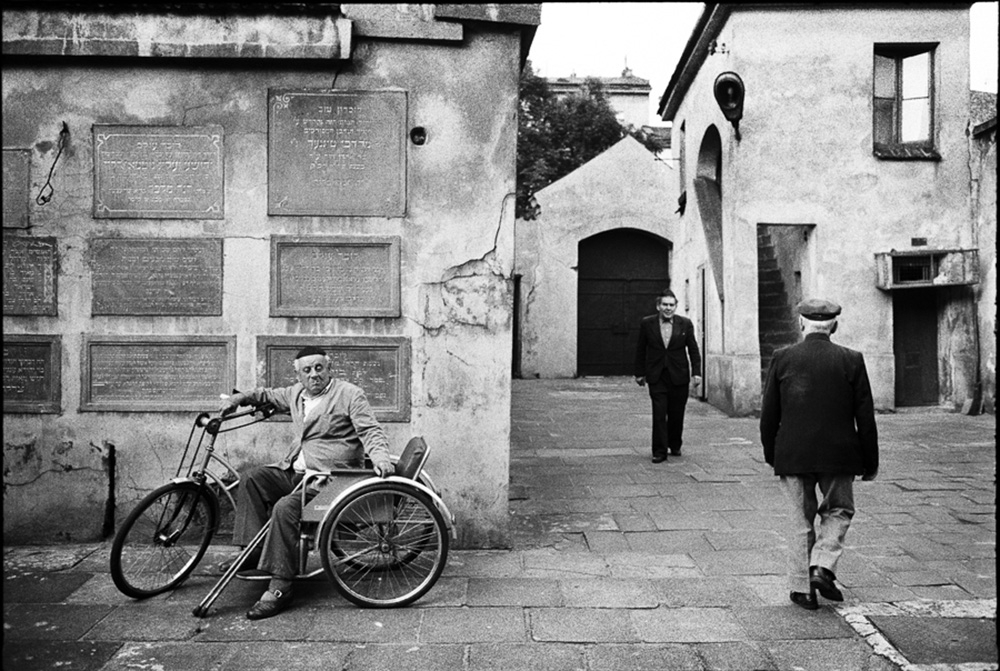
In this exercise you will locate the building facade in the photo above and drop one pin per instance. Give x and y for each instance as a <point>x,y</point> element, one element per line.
<point>193,191</point>
<point>628,95</point>
<point>847,177</point>
<point>590,266</point>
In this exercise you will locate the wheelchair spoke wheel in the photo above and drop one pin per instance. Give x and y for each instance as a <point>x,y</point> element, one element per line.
<point>384,545</point>
<point>163,539</point>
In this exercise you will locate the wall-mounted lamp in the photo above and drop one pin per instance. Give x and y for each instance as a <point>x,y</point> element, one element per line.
<point>418,135</point>
<point>729,93</point>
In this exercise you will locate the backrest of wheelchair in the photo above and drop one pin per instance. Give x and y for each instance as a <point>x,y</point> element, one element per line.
<point>413,458</point>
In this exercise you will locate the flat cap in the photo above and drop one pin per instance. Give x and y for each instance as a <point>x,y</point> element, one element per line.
<point>818,309</point>
<point>310,350</point>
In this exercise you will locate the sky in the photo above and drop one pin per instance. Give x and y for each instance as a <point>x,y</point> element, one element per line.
<point>599,38</point>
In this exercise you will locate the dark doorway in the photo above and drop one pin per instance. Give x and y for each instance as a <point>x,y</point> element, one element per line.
<point>620,273</point>
<point>914,344</point>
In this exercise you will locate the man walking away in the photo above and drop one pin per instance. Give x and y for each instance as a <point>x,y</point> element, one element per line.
<point>817,426</point>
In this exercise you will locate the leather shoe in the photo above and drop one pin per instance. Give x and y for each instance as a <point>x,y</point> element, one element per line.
<point>263,609</point>
<point>821,579</point>
<point>676,452</point>
<point>657,458</point>
<point>807,601</point>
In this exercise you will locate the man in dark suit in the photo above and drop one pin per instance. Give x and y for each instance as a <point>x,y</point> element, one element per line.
<point>817,426</point>
<point>666,342</point>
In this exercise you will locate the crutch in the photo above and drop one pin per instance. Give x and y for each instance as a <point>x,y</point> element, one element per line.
<point>201,610</point>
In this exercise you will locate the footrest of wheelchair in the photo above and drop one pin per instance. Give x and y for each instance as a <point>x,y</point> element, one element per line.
<point>253,574</point>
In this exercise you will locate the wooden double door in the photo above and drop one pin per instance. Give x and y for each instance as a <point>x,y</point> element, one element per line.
<point>620,274</point>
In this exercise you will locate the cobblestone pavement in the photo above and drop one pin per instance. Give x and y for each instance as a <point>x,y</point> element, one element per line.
<point>616,563</point>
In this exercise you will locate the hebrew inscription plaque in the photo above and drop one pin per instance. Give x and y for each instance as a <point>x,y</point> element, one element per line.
<point>335,277</point>
<point>158,172</point>
<point>156,373</point>
<point>163,276</point>
<point>31,373</point>
<point>16,187</point>
<point>339,153</point>
<point>379,365</point>
<point>29,276</point>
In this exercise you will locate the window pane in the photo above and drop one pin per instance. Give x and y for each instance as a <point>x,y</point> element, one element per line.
<point>916,124</point>
<point>915,75</point>
<point>885,77</point>
<point>885,120</point>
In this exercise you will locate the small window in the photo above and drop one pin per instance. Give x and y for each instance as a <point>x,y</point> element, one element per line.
<point>903,102</point>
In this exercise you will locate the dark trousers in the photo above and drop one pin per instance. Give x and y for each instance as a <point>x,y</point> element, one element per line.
<point>266,491</point>
<point>669,402</point>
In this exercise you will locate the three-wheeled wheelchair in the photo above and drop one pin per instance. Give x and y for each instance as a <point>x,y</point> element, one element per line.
<point>383,542</point>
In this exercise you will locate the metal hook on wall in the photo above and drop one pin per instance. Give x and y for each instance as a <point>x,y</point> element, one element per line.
<point>44,196</point>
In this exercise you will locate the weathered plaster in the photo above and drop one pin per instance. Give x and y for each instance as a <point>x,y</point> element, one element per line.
<point>806,158</point>
<point>456,262</point>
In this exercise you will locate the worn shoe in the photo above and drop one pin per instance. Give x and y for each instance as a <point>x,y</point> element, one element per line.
<point>675,452</point>
<point>821,579</point>
<point>263,609</point>
<point>657,458</point>
<point>807,601</point>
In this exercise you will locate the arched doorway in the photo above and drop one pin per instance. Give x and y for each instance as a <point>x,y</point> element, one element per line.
<point>619,275</point>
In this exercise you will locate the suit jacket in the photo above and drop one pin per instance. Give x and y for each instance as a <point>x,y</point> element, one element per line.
<point>817,414</point>
<point>653,356</point>
<point>337,433</point>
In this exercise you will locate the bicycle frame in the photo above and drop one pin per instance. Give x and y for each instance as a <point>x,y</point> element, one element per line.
<point>200,473</point>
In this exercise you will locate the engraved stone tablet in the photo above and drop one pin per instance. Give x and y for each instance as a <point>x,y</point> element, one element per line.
<point>29,276</point>
<point>31,373</point>
<point>380,366</point>
<point>335,277</point>
<point>161,276</point>
<point>156,373</point>
<point>158,172</point>
<point>16,185</point>
<point>338,153</point>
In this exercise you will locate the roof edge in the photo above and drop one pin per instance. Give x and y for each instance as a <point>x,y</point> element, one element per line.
<point>711,21</point>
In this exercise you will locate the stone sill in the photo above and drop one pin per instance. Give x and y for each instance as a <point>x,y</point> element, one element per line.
<point>902,152</point>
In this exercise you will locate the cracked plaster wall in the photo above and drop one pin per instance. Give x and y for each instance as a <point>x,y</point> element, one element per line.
<point>456,262</point>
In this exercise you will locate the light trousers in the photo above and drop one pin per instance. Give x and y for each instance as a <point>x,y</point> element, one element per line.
<point>813,542</point>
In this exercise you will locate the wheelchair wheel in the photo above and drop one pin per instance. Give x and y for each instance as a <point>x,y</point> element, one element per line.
<point>384,545</point>
<point>163,539</point>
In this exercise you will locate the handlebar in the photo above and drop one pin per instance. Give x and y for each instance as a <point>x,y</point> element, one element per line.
<point>213,422</point>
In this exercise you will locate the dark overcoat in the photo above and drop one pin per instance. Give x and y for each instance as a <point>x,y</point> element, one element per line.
<point>653,357</point>
<point>817,414</point>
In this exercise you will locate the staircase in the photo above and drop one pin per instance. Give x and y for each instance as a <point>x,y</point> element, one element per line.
<point>777,325</point>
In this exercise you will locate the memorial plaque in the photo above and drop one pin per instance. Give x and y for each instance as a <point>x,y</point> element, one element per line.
<point>156,276</point>
<point>30,276</point>
<point>31,373</point>
<point>339,153</point>
<point>156,373</point>
<point>335,277</point>
<point>380,366</point>
<point>16,187</point>
<point>158,172</point>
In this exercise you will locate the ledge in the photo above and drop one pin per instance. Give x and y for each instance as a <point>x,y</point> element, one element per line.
<point>61,33</point>
<point>903,152</point>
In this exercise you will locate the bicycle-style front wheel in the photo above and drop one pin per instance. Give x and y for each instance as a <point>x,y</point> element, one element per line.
<point>163,539</point>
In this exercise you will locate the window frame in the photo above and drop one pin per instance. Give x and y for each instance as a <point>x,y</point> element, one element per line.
<point>897,149</point>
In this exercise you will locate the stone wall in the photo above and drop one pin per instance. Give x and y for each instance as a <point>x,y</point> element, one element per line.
<point>419,312</point>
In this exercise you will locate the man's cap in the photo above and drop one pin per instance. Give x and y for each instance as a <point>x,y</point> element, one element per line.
<point>818,309</point>
<point>310,350</point>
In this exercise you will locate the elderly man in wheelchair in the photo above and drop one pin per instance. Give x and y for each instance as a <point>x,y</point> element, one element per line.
<point>334,428</point>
